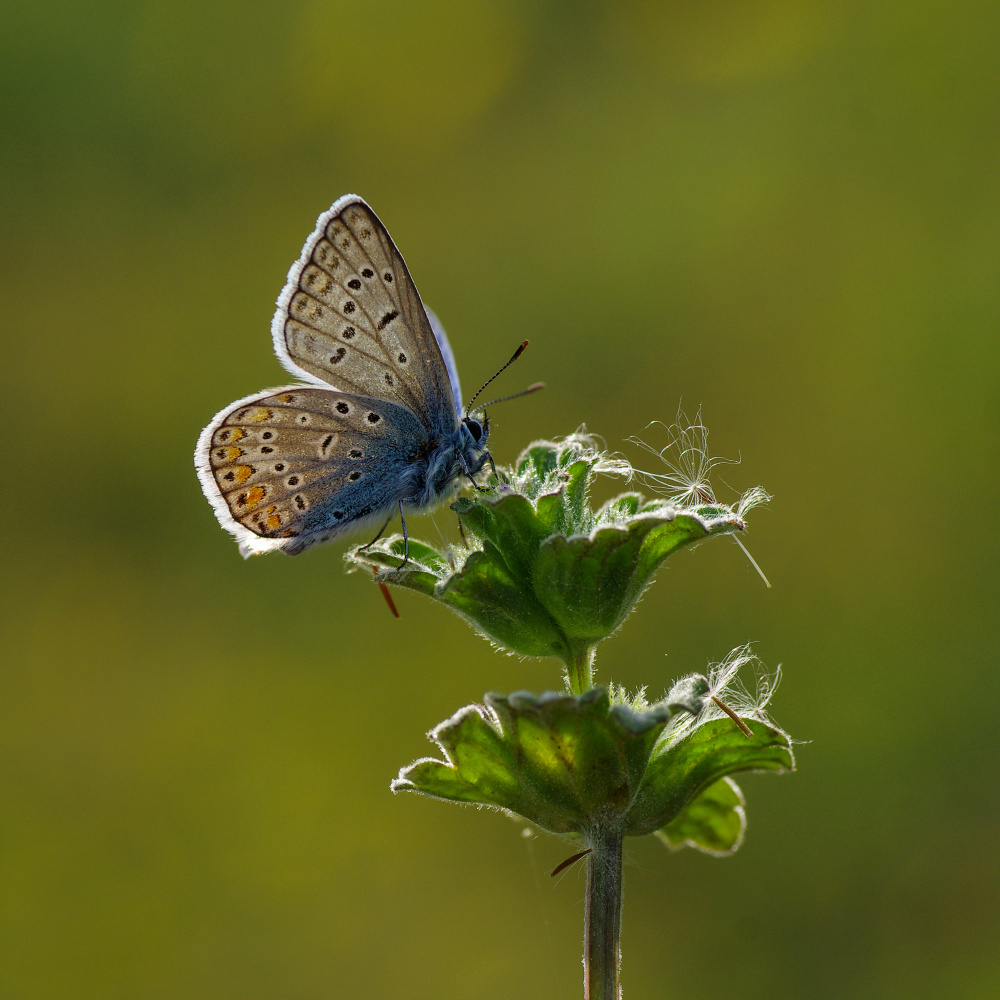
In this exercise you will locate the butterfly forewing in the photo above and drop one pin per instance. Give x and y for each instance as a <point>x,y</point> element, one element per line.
<point>303,464</point>
<point>350,316</point>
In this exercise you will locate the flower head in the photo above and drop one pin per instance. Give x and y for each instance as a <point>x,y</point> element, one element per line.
<point>546,573</point>
<point>568,763</point>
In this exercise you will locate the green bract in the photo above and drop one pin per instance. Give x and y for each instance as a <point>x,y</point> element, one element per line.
<point>547,575</point>
<point>569,763</point>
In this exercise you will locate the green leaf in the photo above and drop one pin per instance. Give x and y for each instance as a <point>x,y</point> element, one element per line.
<point>481,766</point>
<point>619,509</point>
<point>565,510</point>
<point>537,464</point>
<point>500,607</point>
<point>483,590</point>
<point>558,760</point>
<point>566,763</point>
<point>693,758</point>
<point>512,527</point>
<point>573,763</point>
<point>590,584</point>
<point>423,571</point>
<point>714,822</point>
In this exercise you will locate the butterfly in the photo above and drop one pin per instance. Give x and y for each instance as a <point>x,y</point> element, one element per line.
<point>377,424</point>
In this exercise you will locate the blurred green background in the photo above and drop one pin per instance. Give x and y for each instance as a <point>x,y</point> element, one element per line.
<point>786,211</point>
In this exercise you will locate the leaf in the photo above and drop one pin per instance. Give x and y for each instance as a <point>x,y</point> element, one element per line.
<point>589,584</point>
<point>557,760</point>
<point>566,762</point>
<point>512,526</point>
<point>497,603</point>
<point>684,766</point>
<point>714,822</point>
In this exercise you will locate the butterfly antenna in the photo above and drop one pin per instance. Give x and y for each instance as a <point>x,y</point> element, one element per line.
<point>516,355</point>
<point>515,395</point>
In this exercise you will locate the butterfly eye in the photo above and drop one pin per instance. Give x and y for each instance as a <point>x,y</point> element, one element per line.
<point>475,428</point>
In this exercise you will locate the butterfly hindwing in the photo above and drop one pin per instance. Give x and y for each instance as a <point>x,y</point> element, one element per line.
<point>350,316</point>
<point>291,467</point>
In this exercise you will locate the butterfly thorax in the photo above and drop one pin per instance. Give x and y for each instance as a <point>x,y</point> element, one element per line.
<point>447,460</point>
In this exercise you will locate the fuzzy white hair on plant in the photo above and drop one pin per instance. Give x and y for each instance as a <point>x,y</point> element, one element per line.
<point>687,481</point>
<point>729,696</point>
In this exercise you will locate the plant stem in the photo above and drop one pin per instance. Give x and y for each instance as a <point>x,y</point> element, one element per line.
<point>603,916</point>
<point>580,670</point>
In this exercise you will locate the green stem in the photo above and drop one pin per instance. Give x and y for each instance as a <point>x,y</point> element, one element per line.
<point>580,670</point>
<point>603,916</point>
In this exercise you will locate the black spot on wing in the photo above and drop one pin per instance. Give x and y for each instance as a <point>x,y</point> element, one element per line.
<point>387,319</point>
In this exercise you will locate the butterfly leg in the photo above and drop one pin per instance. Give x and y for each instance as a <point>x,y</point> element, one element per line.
<point>378,536</point>
<point>465,469</point>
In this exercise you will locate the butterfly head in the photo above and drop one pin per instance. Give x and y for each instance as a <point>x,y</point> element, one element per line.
<point>474,431</point>
<point>479,430</point>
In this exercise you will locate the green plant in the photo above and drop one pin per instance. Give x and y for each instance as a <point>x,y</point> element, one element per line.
<point>545,574</point>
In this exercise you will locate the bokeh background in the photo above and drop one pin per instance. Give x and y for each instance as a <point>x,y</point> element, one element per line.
<point>786,211</point>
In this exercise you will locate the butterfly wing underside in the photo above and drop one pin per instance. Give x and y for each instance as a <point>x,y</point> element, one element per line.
<point>350,316</point>
<point>447,356</point>
<point>289,468</point>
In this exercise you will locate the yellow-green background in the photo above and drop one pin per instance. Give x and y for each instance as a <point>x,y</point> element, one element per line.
<point>787,211</point>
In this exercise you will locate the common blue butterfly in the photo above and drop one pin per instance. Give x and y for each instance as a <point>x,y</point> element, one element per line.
<point>377,426</point>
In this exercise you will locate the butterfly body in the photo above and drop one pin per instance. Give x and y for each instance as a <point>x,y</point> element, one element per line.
<point>377,424</point>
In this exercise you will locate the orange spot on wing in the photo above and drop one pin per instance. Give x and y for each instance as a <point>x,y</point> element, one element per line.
<point>258,414</point>
<point>274,521</point>
<point>243,473</point>
<point>230,454</point>
<point>224,434</point>
<point>254,495</point>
